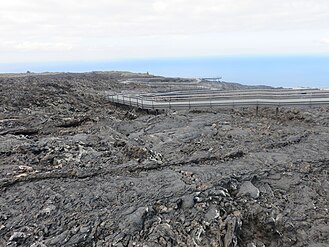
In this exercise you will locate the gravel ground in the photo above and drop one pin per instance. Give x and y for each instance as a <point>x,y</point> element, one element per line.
<point>76,170</point>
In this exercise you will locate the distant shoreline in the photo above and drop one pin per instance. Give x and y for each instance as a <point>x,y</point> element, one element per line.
<point>279,71</point>
<point>22,74</point>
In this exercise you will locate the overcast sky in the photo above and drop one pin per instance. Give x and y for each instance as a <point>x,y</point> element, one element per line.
<point>81,30</point>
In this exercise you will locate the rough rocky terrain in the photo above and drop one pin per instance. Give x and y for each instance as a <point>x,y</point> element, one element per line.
<point>76,170</point>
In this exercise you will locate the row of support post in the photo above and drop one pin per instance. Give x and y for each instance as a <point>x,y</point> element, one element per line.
<point>140,103</point>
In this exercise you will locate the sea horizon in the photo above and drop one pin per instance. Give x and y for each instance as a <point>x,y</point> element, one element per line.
<point>271,70</point>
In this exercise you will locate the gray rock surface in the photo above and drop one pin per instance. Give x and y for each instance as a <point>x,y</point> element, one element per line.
<point>76,170</point>
<point>248,189</point>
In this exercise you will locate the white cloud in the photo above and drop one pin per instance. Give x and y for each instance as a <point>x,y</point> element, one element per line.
<point>43,46</point>
<point>325,41</point>
<point>160,6</point>
<point>101,29</point>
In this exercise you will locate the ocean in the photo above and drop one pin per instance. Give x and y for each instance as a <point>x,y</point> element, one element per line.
<point>284,71</point>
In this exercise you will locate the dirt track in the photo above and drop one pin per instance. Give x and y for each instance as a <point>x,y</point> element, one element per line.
<point>78,171</point>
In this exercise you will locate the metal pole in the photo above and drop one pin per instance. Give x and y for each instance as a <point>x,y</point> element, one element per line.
<point>311,100</point>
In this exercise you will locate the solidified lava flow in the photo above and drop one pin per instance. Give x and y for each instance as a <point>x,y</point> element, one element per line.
<point>77,170</point>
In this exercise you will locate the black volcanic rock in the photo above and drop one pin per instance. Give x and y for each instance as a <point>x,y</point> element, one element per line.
<point>77,170</point>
